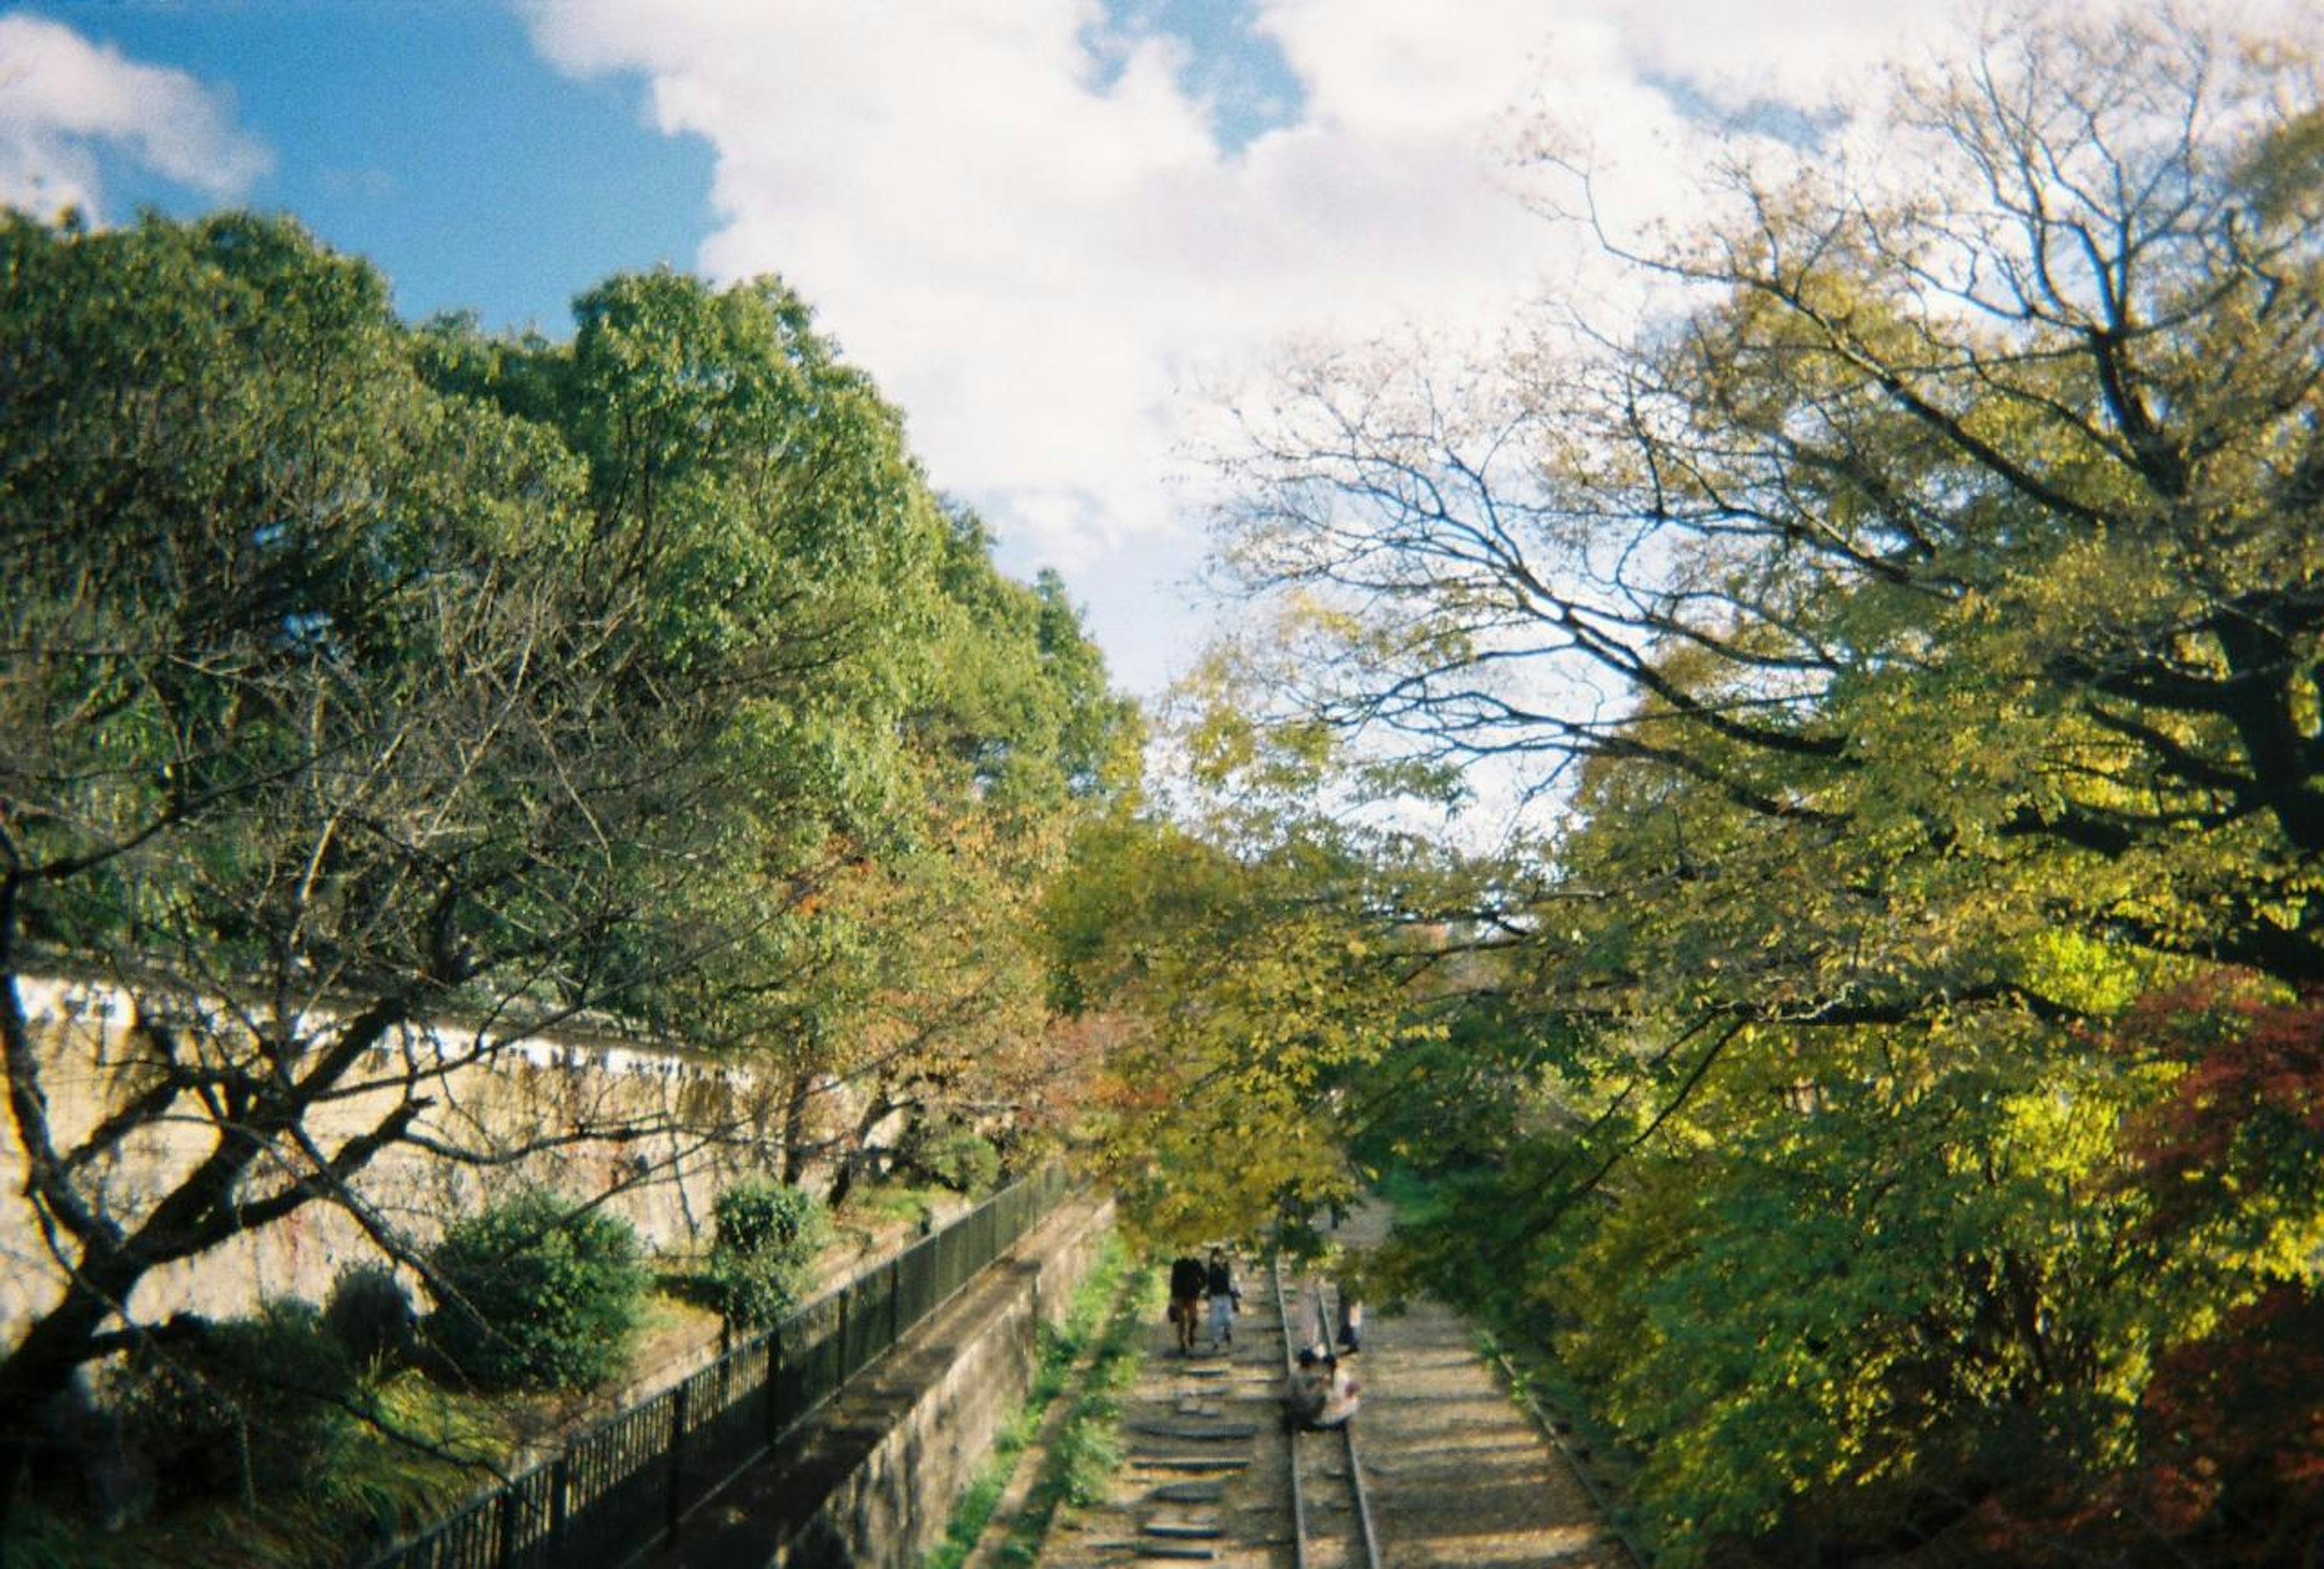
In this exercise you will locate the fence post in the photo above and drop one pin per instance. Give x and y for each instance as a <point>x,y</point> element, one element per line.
<point>512,1511</point>
<point>895,1300</point>
<point>774,1383</point>
<point>678,1456</point>
<point>560,1482</point>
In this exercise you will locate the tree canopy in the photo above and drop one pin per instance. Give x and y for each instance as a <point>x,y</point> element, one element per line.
<point>375,698</point>
<point>1908,634</point>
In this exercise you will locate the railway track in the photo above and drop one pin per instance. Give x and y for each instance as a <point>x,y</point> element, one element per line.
<point>1332,1525</point>
<point>1440,1469</point>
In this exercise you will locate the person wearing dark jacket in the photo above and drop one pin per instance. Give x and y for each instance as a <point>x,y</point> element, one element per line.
<point>1187,1278</point>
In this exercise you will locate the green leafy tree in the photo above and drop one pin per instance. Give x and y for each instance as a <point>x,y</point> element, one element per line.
<point>1253,962</point>
<point>376,699</point>
<point>762,1260</point>
<point>1916,622</point>
<point>2226,1461</point>
<point>914,729</point>
<point>302,750</point>
<point>1981,523</point>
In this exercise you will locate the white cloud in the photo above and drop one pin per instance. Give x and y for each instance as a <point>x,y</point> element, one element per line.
<point>1034,256</point>
<point>1038,257</point>
<point>61,97</point>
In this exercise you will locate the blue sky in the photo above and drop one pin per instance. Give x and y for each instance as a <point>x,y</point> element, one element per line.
<point>428,135</point>
<point>432,137</point>
<point>1065,236</point>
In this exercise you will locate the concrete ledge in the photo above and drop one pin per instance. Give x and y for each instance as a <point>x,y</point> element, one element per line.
<point>871,1478</point>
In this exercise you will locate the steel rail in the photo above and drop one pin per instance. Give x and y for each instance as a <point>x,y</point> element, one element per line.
<point>1283,1319</point>
<point>1521,1390</point>
<point>1367,1536</point>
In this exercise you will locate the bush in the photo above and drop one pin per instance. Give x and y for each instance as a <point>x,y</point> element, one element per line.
<point>950,1155</point>
<point>251,1406</point>
<point>370,1315</point>
<point>532,1296</point>
<point>763,1262</point>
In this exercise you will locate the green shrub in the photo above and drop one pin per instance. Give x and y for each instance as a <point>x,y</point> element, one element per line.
<point>953,1156</point>
<point>762,1260</point>
<point>248,1406</point>
<point>532,1296</point>
<point>370,1315</point>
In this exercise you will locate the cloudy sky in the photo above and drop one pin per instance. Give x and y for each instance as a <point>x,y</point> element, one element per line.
<point>1051,229</point>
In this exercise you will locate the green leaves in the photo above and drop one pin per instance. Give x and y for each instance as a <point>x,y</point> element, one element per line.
<point>533,1293</point>
<point>1914,630</point>
<point>357,678</point>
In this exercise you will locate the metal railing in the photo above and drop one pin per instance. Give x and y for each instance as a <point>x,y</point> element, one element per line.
<point>622,1486</point>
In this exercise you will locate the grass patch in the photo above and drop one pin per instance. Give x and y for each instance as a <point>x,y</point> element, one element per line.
<point>1088,1448</point>
<point>870,1211</point>
<point>421,1451</point>
<point>1060,1347</point>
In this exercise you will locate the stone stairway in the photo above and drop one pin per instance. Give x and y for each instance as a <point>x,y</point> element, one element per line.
<point>1201,1479</point>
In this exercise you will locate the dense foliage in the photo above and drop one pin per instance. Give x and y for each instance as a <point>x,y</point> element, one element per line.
<point>371,1316</point>
<point>256,1406</point>
<point>1891,1077</point>
<point>374,697</point>
<point>535,1294</point>
<point>763,1251</point>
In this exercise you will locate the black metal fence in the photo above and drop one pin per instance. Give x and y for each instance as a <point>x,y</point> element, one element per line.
<point>622,1485</point>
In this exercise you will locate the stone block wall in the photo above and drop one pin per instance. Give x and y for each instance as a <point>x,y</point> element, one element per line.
<point>708,1123</point>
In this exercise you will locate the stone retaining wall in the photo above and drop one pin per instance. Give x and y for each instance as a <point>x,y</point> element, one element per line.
<point>709,1125</point>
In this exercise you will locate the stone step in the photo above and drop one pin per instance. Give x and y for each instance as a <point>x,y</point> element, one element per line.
<point>1199,1432</point>
<point>1186,1530</point>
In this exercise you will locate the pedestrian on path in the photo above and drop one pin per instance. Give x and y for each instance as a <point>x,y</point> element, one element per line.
<point>1187,1278</point>
<point>1226,1296</point>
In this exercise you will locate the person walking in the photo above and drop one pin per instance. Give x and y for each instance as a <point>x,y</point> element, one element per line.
<point>1226,1296</point>
<point>1187,1278</point>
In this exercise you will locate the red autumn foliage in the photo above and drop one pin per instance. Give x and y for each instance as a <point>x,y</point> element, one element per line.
<point>2230,1465</point>
<point>2231,1425</point>
<point>2232,1435</point>
<point>2249,1112</point>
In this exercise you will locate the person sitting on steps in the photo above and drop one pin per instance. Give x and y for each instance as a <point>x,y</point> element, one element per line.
<point>1319,1395</point>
